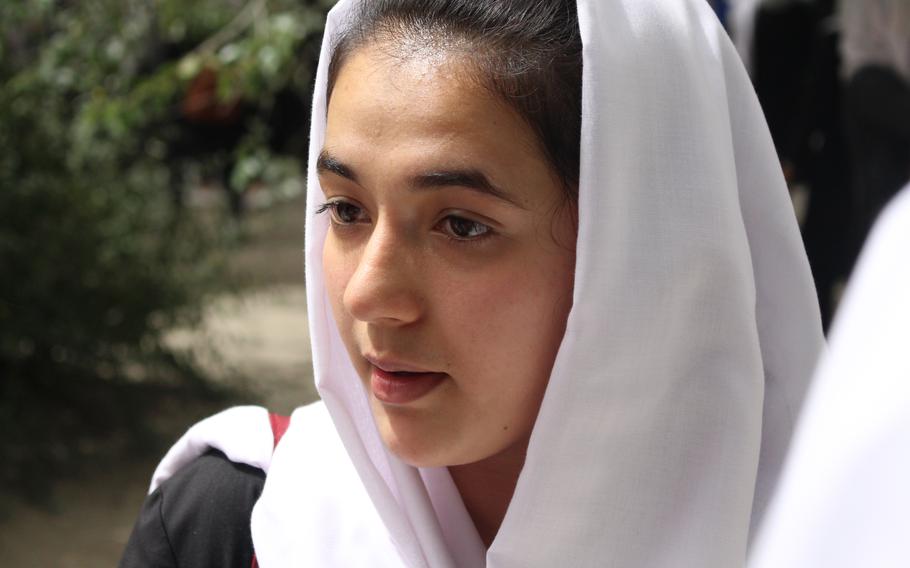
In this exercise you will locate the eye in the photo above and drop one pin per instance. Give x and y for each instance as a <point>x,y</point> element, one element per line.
<point>343,212</point>
<point>463,229</point>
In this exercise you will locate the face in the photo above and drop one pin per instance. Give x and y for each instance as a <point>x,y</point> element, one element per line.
<point>449,259</point>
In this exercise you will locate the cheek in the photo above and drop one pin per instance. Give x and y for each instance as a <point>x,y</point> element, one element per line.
<point>337,273</point>
<point>511,320</point>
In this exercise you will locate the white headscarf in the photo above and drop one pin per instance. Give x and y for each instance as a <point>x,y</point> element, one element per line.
<point>694,331</point>
<point>844,498</point>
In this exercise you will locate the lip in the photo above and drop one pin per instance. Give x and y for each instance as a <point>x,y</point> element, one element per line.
<point>396,382</point>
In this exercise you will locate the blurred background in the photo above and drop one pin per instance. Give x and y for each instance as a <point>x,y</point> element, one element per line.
<point>151,222</point>
<point>151,237</point>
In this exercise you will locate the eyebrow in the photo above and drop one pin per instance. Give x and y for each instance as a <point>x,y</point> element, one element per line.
<point>465,178</point>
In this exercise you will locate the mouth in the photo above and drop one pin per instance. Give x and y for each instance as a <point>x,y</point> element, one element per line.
<point>398,383</point>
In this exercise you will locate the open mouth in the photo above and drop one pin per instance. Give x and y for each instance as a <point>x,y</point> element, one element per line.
<point>402,387</point>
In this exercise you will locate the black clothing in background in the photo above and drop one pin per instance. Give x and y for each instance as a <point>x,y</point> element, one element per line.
<point>200,518</point>
<point>782,47</point>
<point>878,127</point>
<point>797,78</point>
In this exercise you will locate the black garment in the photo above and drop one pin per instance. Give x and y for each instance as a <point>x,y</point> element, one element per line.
<point>199,518</point>
<point>818,153</point>
<point>781,52</point>
<point>878,126</point>
<point>797,78</point>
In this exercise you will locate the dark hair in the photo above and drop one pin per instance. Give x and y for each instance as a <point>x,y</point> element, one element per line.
<point>527,52</point>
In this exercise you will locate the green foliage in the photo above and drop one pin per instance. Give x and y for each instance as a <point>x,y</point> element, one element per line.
<point>95,263</point>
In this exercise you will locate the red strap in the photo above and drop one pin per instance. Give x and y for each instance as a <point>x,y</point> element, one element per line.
<point>279,425</point>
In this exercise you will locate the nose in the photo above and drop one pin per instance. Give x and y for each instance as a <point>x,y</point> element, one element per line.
<point>384,288</point>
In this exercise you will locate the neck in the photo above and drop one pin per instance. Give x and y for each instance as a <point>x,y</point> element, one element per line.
<point>487,486</point>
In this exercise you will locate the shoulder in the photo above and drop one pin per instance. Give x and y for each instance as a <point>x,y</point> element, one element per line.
<point>199,517</point>
<point>210,487</point>
<point>242,433</point>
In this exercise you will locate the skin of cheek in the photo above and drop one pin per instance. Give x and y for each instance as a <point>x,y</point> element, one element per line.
<point>499,328</point>
<point>493,320</point>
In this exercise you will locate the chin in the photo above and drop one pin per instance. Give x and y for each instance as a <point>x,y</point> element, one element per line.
<point>410,443</point>
<point>415,442</point>
<point>417,458</point>
<point>415,455</point>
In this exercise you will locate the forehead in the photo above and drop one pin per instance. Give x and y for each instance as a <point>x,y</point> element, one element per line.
<point>427,104</point>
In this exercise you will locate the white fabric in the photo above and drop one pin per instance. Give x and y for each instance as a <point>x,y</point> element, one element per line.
<point>312,473</point>
<point>845,495</point>
<point>242,433</point>
<point>742,27</point>
<point>693,334</point>
<point>875,32</point>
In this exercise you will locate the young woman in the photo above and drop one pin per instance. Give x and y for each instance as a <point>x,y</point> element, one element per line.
<point>559,308</point>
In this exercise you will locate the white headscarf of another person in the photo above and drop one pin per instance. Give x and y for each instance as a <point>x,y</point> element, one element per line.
<point>844,497</point>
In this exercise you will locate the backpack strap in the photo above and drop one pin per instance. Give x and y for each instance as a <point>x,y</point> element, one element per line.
<point>279,424</point>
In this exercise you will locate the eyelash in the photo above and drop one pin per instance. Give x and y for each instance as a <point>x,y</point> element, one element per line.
<point>332,206</point>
